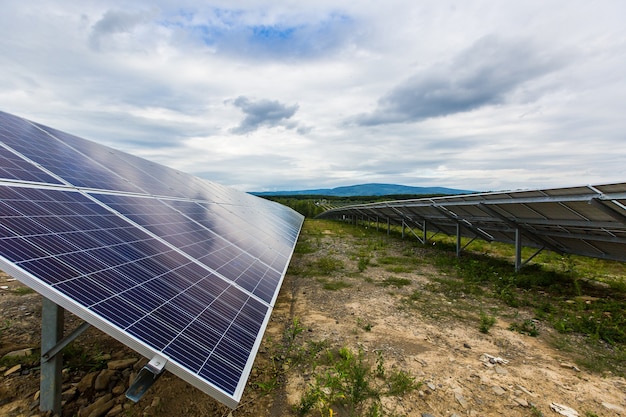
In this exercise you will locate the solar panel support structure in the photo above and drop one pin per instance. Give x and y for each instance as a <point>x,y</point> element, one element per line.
<point>52,343</point>
<point>146,378</point>
<point>52,318</point>
<point>519,263</point>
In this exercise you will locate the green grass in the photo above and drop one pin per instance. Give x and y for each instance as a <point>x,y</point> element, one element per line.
<point>326,265</point>
<point>27,361</point>
<point>23,290</point>
<point>349,384</point>
<point>395,282</point>
<point>486,322</point>
<point>581,298</point>
<point>527,327</point>
<point>334,285</point>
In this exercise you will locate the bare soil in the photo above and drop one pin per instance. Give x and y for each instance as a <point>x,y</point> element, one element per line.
<point>434,338</point>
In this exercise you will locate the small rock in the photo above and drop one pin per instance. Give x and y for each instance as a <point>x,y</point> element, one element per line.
<point>115,411</point>
<point>103,379</point>
<point>467,346</point>
<point>431,386</point>
<point>102,409</point>
<point>569,366</point>
<point>500,370</point>
<point>498,390</point>
<point>97,405</point>
<point>118,390</point>
<point>427,415</point>
<point>613,407</point>
<point>525,391</point>
<point>521,402</point>
<point>563,410</point>
<point>87,381</point>
<point>19,353</point>
<point>121,364</point>
<point>13,370</point>
<point>69,394</point>
<point>461,400</point>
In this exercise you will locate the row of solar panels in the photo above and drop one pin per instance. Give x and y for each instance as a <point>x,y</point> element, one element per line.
<point>586,220</point>
<point>169,264</point>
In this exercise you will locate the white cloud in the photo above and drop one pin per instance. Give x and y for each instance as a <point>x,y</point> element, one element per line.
<point>473,95</point>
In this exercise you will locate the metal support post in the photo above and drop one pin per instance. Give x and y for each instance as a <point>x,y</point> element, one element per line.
<point>403,226</point>
<point>51,333</point>
<point>388,226</point>
<point>458,240</point>
<point>518,249</point>
<point>425,229</point>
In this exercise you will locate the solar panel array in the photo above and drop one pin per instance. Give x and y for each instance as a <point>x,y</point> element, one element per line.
<point>165,262</point>
<point>585,220</point>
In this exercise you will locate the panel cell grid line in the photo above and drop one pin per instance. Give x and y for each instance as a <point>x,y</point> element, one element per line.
<point>160,266</point>
<point>212,248</point>
<point>60,159</point>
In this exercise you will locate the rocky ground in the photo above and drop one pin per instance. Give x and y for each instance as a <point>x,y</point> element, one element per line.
<point>462,371</point>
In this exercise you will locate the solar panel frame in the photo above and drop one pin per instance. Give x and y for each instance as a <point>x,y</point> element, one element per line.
<point>63,233</point>
<point>583,220</point>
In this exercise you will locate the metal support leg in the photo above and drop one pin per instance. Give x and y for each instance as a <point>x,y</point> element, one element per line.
<point>388,226</point>
<point>458,240</point>
<point>51,334</point>
<point>403,227</point>
<point>425,229</point>
<point>518,249</point>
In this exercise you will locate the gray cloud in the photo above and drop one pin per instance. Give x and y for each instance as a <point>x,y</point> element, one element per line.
<point>114,22</point>
<point>484,74</point>
<point>263,113</point>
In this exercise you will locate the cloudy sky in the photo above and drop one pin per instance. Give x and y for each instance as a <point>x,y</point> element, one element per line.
<point>286,94</point>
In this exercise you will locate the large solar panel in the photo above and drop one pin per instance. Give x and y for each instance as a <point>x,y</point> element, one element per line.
<point>585,220</point>
<point>169,264</point>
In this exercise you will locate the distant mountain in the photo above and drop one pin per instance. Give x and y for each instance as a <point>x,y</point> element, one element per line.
<point>368,190</point>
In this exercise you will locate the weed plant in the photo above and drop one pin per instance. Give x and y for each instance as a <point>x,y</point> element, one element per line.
<point>395,282</point>
<point>348,385</point>
<point>486,322</point>
<point>23,290</point>
<point>527,327</point>
<point>79,358</point>
<point>363,263</point>
<point>334,285</point>
<point>326,265</point>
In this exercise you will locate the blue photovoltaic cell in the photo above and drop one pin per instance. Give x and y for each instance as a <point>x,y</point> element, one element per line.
<point>69,164</point>
<point>135,282</point>
<point>162,260</point>
<point>15,168</point>
<point>182,228</point>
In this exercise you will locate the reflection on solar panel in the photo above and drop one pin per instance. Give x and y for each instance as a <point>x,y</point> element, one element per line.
<point>586,220</point>
<point>167,263</point>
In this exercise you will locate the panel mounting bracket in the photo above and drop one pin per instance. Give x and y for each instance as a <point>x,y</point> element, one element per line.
<point>146,377</point>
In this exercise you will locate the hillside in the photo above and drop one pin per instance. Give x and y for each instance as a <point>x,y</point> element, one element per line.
<point>367,190</point>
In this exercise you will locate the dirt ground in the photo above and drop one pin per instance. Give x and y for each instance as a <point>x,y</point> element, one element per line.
<point>435,339</point>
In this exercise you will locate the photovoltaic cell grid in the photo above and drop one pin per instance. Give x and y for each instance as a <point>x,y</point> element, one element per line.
<point>585,220</point>
<point>165,262</point>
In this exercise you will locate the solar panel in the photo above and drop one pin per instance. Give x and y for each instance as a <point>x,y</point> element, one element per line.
<point>585,220</point>
<point>167,263</point>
